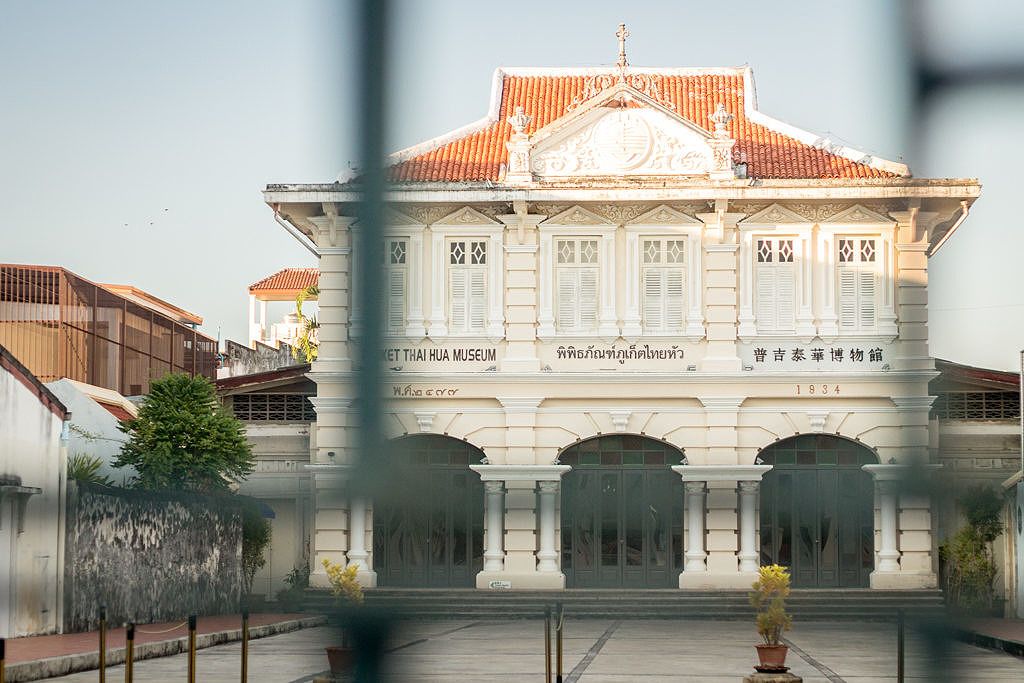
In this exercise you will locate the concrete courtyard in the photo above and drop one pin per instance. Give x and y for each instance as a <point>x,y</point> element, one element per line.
<point>596,651</point>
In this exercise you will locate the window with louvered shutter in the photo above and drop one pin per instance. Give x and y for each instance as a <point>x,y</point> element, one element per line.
<point>467,286</point>
<point>775,271</point>
<point>858,284</point>
<point>396,281</point>
<point>576,285</point>
<point>663,284</point>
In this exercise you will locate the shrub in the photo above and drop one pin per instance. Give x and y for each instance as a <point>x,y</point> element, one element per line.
<point>967,559</point>
<point>344,585</point>
<point>769,600</point>
<point>86,468</point>
<point>290,598</point>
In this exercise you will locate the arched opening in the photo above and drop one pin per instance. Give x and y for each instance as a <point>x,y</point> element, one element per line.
<point>817,511</point>
<point>622,513</point>
<point>429,531</point>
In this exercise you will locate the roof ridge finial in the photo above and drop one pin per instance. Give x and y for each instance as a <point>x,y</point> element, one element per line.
<point>622,34</point>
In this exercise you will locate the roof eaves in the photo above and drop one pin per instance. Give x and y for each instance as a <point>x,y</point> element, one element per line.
<point>812,139</point>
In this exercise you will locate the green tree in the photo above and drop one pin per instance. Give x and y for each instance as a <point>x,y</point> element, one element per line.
<point>184,439</point>
<point>255,539</point>
<point>306,344</point>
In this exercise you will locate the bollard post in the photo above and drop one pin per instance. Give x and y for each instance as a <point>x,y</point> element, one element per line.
<point>245,645</point>
<point>191,648</point>
<point>3,648</point>
<point>103,644</point>
<point>129,652</point>
<point>899,646</point>
<point>558,643</point>
<point>547,644</point>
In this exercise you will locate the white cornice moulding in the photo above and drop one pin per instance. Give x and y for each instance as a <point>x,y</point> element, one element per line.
<point>899,471</point>
<point>687,379</point>
<point>723,248</point>
<point>520,472</point>
<point>721,472</point>
<point>515,404</point>
<point>721,404</point>
<point>522,248</point>
<point>913,403</point>
<point>330,405</point>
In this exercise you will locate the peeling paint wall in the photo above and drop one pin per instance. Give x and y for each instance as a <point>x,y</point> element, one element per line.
<point>149,557</point>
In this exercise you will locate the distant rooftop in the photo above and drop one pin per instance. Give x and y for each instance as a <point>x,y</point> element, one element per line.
<point>285,284</point>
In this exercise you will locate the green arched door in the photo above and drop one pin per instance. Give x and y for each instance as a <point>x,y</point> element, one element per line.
<point>817,511</point>
<point>429,532</point>
<point>621,514</point>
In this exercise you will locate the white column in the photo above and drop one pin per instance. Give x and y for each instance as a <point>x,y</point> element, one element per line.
<point>263,322</point>
<point>888,555</point>
<point>253,334</point>
<point>357,533</point>
<point>695,555</point>
<point>547,554</point>
<point>438,295</point>
<point>747,326</point>
<point>414,325</point>
<point>607,325</point>
<point>748,539</point>
<point>494,556</point>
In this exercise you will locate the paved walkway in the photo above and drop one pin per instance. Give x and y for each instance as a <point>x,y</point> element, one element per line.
<point>596,651</point>
<point>1000,634</point>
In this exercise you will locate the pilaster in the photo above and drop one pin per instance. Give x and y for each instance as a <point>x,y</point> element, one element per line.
<point>721,291</point>
<point>521,292</point>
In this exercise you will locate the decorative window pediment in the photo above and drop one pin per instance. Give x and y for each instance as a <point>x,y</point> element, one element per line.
<point>665,215</point>
<point>576,215</point>
<point>776,214</point>
<point>467,215</point>
<point>856,215</point>
<point>621,132</point>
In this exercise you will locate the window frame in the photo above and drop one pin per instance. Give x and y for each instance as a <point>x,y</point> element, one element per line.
<point>441,233</point>
<point>414,320</point>
<point>829,235</point>
<point>689,231</point>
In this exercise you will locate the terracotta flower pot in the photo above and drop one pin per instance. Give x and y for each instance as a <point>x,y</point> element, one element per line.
<point>772,658</point>
<point>340,658</point>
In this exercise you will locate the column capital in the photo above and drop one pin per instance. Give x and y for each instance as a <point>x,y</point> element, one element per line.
<point>695,488</point>
<point>520,404</point>
<point>721,404</point>
<point>494,486</point>
<point>520,472</point>
<point>548,486</point>
<point>706,473</point>
<point>749,488</point>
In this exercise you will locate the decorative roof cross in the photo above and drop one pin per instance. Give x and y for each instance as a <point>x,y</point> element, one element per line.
<point>622,34</point>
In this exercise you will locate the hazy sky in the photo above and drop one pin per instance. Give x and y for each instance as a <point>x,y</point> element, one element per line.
<point>137,136</point>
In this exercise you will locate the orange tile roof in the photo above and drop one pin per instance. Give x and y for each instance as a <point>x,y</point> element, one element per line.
<point>771,149</point>
<point>296,279</point>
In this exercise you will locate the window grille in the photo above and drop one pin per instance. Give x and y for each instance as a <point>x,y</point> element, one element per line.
<point>858,284</point>
<point>467,286</point>
<point>273,408</point>
<point>977,405</point>
<point>775,286</point>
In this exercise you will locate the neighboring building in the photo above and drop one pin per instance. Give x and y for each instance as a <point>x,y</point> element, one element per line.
<point>277,413</point>
<point>976,438</point>
<point>284,285</point>
<point>112,336</point>
<point>689,339</point>
<point>32,489</point>
<point>93,430</point>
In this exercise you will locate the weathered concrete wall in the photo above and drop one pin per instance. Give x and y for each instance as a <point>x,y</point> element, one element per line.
<point>149,557</point>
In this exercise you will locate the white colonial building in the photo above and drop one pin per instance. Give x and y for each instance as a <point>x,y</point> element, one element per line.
<point>639,334</point>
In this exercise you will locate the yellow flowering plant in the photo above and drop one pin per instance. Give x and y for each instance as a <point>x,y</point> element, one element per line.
<point>769,599</point>
<point>344,585</point>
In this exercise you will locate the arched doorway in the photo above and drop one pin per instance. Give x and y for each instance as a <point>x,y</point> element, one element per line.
<point>817,511</point>
<point>622,514</point>
<point>429,531</point>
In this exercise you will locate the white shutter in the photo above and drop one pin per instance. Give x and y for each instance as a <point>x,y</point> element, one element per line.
<point>866,297</point>
<point>568,297</point>
<point>396,300</point>
<point>588,299</point>
<point>458,300</point>
<point>654,298</point>
<point>675,298</point>
<point>765,297</point>
<point>785,297</point>
<point>847,296</point>
<point>477,300</point>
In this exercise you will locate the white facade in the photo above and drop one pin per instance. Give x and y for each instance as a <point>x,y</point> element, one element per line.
<point>624,278</point>
<point>32,488</point>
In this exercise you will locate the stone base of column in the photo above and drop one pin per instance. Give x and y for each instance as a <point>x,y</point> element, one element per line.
<point>318,579</point>
<point>880,580</point>
<point>367,578</point>
<point>520,580</point>
<point>714,581</point>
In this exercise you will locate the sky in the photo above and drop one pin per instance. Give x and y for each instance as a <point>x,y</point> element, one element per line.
<point>136,137</point>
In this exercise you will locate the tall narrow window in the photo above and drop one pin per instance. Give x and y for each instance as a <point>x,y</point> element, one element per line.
<point>396,279</point>
<point>858,284</point>
<point>775,286</point>
<point>467,286</point>
<point>576,277</point>
<point>663,288</point>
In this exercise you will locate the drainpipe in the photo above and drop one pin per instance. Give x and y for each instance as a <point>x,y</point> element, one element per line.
<point>295,232</point>
<point>964,210</point>
<point>62,518</point>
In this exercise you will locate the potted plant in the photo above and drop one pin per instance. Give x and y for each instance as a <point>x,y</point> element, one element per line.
<point>347,593</point>
<point>769,600</point>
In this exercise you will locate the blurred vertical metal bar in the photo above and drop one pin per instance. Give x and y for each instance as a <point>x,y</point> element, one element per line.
<point>370,632</point>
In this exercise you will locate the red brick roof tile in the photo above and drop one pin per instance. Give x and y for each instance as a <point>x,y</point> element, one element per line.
<point>296,279</point>
<point>771,149</point>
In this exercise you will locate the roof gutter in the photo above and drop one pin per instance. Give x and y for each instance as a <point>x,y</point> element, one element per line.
<point>964,210</point>
<point>295,232</point>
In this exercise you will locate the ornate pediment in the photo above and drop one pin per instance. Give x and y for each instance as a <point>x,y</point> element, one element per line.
<point>776,214</point>
<point>622,136</point>
<point>467,215</point>
<point>577,215</point>
<point>664,215</point>
<point>859,214</point>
